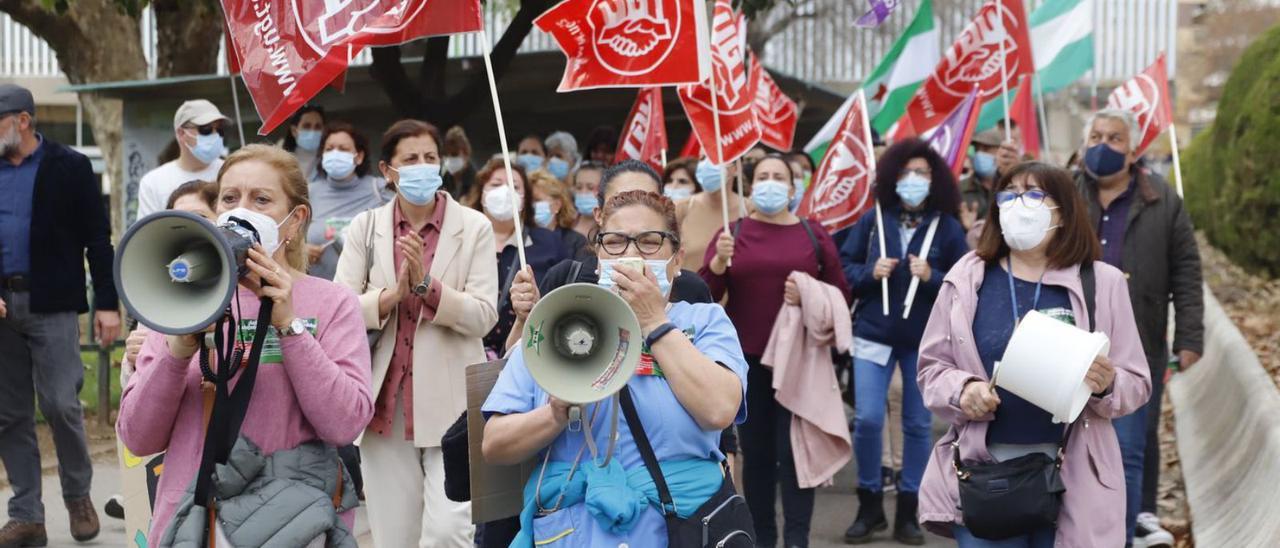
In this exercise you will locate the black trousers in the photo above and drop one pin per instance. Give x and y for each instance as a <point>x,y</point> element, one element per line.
<point>768,464</point>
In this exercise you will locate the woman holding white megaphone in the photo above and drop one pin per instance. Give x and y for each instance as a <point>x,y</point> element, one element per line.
<point>1008,471</point>
<point>310,394</point>
<point>688,387</point>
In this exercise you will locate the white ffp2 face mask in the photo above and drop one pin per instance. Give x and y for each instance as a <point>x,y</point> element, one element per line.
<point>268,229</point>
<point>1023,226</point>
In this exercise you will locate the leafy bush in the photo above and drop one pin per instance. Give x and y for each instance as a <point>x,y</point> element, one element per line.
<point>1232,170</point>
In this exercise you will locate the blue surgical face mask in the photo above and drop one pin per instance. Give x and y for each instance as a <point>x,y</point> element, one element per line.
<point>339,164</point>
<point>913,189</point>
<point>801,185</point>
<point>586,204</point>
<point>530,162</point>
<point>208,147</point>
<point>708,176</point>
<point>558,167</point>
<point>1103,161</point>
<point>770,196</point>
<point>657,266</point>
<point>677,193</point>
<point>419,183</point>
<point>308,139</point>
<point>984,164</point>
<point>542,214</point>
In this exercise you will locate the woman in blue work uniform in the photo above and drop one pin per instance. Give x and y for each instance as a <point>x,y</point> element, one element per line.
<point>692,392</point>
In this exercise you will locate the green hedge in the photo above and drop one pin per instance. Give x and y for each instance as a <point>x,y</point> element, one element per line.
<point>1232,170</point>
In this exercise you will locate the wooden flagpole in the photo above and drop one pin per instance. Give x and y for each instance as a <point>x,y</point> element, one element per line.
<point>506,155</point>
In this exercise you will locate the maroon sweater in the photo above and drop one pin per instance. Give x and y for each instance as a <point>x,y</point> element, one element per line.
<point>764,255</point>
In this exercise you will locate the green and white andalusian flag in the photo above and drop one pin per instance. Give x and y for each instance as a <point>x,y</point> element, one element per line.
<point>1062,42</point>
<point>890,86</point>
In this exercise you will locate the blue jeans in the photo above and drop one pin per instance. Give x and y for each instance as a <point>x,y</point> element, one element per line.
<point>871,391</point>
<point>1039,539</point>
<point>1131,431</point>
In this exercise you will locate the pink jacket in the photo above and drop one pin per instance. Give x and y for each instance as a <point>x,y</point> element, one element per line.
<point>320,392</point>
<point>1093,507</point>
<point>804,380</point>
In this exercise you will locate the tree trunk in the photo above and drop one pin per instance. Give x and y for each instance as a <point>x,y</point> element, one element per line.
<point>187,34</point>
<point>95,42</point>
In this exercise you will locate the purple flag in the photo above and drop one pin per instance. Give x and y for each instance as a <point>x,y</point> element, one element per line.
<point>951,139</point>
<point>880,10</point>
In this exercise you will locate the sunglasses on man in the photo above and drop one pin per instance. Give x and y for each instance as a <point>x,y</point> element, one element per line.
<point>208,129</point>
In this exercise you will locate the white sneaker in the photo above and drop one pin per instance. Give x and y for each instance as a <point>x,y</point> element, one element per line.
<point>1149,534</point>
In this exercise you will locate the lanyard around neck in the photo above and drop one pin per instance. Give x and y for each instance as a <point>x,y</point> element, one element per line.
<point>1013,292</point>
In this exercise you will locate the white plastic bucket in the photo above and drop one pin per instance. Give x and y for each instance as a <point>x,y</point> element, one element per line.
<point>1046,362</point>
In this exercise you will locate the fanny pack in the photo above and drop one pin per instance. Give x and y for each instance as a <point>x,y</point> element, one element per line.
<point>723,521</point>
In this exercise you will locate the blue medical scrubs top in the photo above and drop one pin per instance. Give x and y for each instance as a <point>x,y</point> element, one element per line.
<point>673,432</point>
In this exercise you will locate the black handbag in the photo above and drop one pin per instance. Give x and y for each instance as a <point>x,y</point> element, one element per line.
<point>1018,496</point>
<point>1011,498</point>
<point>722,522</point>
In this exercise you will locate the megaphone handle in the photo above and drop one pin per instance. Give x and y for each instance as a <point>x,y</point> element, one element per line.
<point>575,418</point>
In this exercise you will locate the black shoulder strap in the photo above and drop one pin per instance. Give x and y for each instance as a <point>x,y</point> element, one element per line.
<point>813,239</point>
<point>646,450</point>
<point>1090,282</point>
<point>574,268</point>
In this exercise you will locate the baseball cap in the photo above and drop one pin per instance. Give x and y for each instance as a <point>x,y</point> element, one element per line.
<point>197,112</point>
<point>15,98</point>
<point>992,137</point>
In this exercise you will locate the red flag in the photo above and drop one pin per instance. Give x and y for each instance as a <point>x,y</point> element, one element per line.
<point>777,113</point>
<point>734,95</point>
<point>629,43</point>
<point>974,59</point>
<point>284,62</point>
<point>692,148</point>
<point>644,136</point>
<point>1023,113</point>
<point>1147,96</point>
<point>840,191</point>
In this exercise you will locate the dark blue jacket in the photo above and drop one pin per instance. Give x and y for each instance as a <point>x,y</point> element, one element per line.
<point>858,255</point>
<point>69,227</point>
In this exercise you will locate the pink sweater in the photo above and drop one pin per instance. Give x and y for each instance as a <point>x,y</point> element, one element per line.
<point>804,380</point>
<point>321,391</point>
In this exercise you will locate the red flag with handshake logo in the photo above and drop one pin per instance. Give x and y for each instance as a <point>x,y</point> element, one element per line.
<point>841,188</point>
<point>777,113</point>
<point>628,43</point>
<point>644,136</point>
<point>1147,97</point>
<point>725,120</point>
<point>288,50</point>
<point>993,47</point>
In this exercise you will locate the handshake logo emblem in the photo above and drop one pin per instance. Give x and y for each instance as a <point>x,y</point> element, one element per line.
<point>634,35</point>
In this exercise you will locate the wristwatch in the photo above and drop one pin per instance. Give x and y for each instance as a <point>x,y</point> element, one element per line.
<point>295,327</point>
<point>422,288</point>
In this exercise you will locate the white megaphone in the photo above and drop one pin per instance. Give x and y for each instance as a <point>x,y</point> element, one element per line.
<point>176,272</point>
<point>581,343</point>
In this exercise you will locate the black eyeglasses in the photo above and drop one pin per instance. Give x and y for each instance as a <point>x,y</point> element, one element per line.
<point>1032,198</point>
<point>208,128</point>
<point>647,243</point>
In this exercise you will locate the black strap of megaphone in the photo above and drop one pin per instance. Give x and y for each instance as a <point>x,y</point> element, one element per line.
<point>646,450</point>
<point>229,407</point>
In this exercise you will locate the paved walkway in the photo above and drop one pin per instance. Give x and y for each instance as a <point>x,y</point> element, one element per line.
<point>834,511</point>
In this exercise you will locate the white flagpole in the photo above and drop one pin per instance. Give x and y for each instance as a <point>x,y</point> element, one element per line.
<point>235,101</point>
<point>1044,119</point>
<point>502,138</point>
<point>884,254</point>
<point>1177,165</point>
<point>915,282</point>
<point>664,158</point>
<point>1004,78</point>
